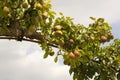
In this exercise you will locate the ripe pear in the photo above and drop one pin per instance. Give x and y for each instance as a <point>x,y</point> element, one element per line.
<point>111,36</point>
<point>77,53</point>
<point>6,10</point>
<point>45,15</point>
<point>103,39</point>
<point>59,33</point>
<point>71,55</point>
<point>57,27</point>
<point>71,41</point>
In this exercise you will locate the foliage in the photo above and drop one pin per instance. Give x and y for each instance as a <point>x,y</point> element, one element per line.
<point>81,47</point>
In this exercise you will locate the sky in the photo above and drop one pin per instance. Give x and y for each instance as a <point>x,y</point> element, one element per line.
<point>24,60</point>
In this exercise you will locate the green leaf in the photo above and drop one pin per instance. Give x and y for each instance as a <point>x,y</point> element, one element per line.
<point>61,13</point>
<point>48,1</point>
<point>92,18</point>
<point>44,45</point>
<point>70,71</point>
<point>2,14</point>
<point>101,20</point>
<point>118,76</point>
<point>97,78</point>
<point>45,55</point>
<point>47,52</point>
<point>56,59</point>
<point>75,76</point>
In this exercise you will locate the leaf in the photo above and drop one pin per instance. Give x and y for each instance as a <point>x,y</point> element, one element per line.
<point>47,52</point>
<point>101,20</point>
<point>45,55</point>
<point>61,13</point>
<point>44,45</point>
<point>75,76</point>
<point>97,78</point>
<point>70,71</point>
<point>2,14</point>
<point>92,18</point>
<point>118,76</point>
<point>56,59</point>
<point>48,1</point>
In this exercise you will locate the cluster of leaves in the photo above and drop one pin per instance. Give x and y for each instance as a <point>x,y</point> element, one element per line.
<point>19,18</point>
<point>81,47</point>
<point>105,64</point>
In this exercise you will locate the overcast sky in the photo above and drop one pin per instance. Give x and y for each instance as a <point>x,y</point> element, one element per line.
<point>23,60</point>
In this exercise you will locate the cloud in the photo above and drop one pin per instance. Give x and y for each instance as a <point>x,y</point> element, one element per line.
<point>81,10</point>
<point>12,50</point>
<point>17,64</point>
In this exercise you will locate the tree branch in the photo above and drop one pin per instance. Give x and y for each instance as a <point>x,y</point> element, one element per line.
<point>25,39</point>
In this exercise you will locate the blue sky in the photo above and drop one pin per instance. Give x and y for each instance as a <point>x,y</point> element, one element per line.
<point>116,29</point>
<point>24,60</point>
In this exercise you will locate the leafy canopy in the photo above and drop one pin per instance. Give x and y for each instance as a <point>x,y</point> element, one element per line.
<point>81,47</point>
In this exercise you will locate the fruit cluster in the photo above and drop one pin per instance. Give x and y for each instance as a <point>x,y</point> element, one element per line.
<point>74,55</point>
<point>104,38</point>
<point>71,57</point>
<point>57,30</point>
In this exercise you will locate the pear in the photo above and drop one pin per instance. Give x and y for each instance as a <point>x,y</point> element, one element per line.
<point>103,39</point>
<point>6,10</point>
<point>71,55</point>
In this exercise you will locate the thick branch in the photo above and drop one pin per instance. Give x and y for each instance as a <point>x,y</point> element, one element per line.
<point>14,38</point>
<point>25,39</point>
